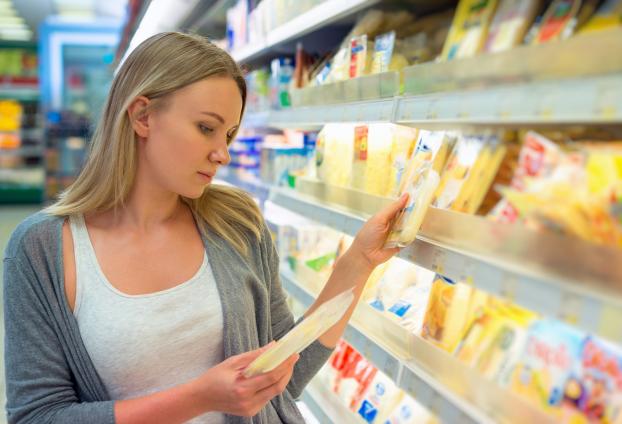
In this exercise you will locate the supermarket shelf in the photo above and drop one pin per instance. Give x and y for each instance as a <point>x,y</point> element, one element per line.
<point>564,278</point>
<point>434,378</point>
<point>256,187</point>
<point>326,406</point>
<point>23,93</point>
<point>589,100</point>
<point>319,16</point>
<point>29,151</point>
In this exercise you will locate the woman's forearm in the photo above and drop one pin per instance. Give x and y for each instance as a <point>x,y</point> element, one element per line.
<point>352,270</point>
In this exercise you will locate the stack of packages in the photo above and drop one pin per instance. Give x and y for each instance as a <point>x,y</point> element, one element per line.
<point>369,392</point>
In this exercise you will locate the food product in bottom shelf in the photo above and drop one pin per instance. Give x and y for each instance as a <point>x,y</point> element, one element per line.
<point>469,28</point>
<point>549,368</point>
<point>600,399</point>
<point>379,399</point>
<point>608,15</point>
<point>510,24</point>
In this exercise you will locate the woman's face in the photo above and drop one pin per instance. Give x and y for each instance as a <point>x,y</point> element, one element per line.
<point>189,136</point>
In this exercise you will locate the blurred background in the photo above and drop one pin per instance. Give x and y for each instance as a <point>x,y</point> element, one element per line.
<point>501,118</point>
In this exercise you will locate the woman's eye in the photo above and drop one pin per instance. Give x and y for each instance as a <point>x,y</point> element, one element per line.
<point>204,129</point>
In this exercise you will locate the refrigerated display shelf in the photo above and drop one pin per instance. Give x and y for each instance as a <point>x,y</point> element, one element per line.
<point>590,100</point>
<point>559,277</point>
<point>325,405</point>
<point>434,378</point>
<point>317,17</point>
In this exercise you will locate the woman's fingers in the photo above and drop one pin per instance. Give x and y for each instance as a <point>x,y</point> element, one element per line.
<point>265,380</point>
<point>389,212</point>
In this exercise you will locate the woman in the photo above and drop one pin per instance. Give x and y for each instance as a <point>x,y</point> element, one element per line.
<point>141,295</point>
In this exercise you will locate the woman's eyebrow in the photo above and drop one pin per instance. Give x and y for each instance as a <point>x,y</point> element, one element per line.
<point>215,115</point>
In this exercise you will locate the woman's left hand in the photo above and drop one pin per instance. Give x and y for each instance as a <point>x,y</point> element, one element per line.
<point>369,241</point>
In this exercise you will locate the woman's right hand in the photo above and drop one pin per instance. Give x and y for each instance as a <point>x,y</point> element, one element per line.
<point>225,389</point>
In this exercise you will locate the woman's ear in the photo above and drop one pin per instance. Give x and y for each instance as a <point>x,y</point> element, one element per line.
<point>139,116</point>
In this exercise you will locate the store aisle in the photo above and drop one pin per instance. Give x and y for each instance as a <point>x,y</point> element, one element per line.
<point>10,216</point>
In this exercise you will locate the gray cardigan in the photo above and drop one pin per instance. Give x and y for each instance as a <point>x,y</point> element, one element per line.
<point>49,375</point>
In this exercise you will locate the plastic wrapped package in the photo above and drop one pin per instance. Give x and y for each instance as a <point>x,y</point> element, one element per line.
<point>549,367</point>
<point>420,185</point>
<point>409,411</point>
<point>383,52</point>
<point>360,157</point>
<point>469,28</point>
<point>510,24</point>
<point>338,150</point>
<point>379,399</point>
<point>358,56</point>
<point>558,22</point>
<point>302,335</point>
<point>403,146</point>
<point>380,145</point>
<point>444,322</point>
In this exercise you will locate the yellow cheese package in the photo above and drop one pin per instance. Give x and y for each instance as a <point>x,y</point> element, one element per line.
<point>403,146</point>
<point>302,335</point>
<point>469,28</point>
<point>379,145</point>
<point>420,184</point>
<point>510,24</point>
<point>444,322</point>
<point>609,15</point>
<point>338,150</point>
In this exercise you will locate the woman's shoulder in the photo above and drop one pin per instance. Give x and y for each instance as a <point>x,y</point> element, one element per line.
<point>36,231</point>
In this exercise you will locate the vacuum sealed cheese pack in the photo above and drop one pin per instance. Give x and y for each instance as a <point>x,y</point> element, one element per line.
<point>510,24</point>
<point>302,335</point>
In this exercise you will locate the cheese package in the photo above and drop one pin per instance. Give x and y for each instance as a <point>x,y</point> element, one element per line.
<point>510,24</point>
<point>409,411</point>
<point>550,365</point>
<point>458,170</point>
<point>601,379</point>
<point>558,22</point>
<point>302,335</point>
<point>403,146</point>
<point>383,52</point>
<point>337,153</point>
<point>380,144</point>
<point>469,28</point>
<point>420,185</point>
<point>377,402</point>
<point>444,322</point>
<point>358,56</point>
<point>609,15</point>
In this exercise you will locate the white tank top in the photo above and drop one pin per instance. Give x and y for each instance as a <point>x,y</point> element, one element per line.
<point>141,344</point>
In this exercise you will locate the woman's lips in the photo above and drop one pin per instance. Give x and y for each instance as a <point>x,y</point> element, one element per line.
<point>206,176</point>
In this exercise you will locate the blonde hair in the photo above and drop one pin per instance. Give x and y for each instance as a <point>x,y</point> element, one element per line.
<point>158,67</point>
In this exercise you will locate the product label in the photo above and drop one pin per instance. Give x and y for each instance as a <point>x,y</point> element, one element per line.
<point>368,411</point>
<point>360,143</point>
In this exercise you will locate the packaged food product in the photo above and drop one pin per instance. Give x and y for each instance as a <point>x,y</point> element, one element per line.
<point>510,24</point>
<point>558,21</point>
<point>302,335</point>
<point>338,149</point>
<point>601,381</point>
<point>444,322</point>
<point>380,398</point>
<point>11,113</point>
<point>380,146</point>
<point>458,170</point>
<point>358,56</point>
<point>420,185</point>
<point>409,411</point>
<point>403,146</point>
<point>383,52</point>
<point>550,364</point>
<point>359,164</point>
<point>609,15</point>
<point>469,28</point>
